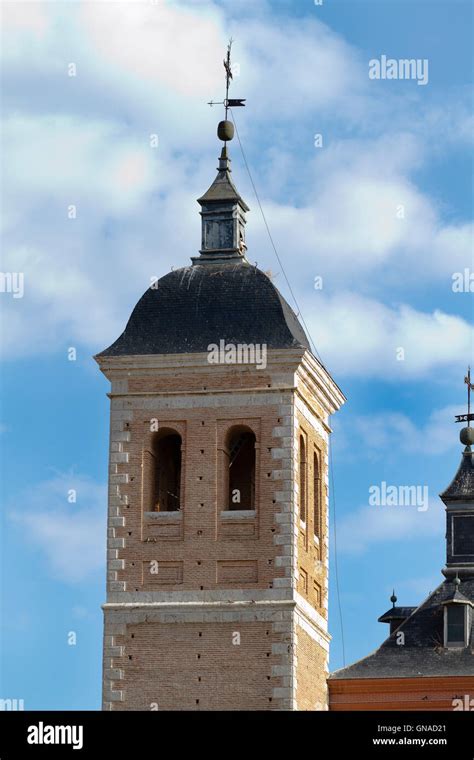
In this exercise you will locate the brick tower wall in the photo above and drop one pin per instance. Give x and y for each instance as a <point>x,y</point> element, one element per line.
<point>223,623</point>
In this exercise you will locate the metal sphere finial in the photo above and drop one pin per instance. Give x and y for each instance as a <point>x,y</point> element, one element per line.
<point>466,436</point>
<point>225,130</point>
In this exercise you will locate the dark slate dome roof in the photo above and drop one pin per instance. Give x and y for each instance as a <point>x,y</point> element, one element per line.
<point>193,307</point>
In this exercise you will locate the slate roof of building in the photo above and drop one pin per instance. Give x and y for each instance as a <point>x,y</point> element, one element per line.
<point>462,486</point>
<point>396,613</point>
<point>423,653</point>
<point>195,306</point>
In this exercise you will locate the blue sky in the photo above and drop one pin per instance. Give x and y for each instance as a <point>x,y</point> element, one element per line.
<point>84,140</point>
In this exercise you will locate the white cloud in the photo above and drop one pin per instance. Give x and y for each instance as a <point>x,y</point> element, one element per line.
<point>360,336</point>
<point>85,141</point>
<point>189,68</point>
<point>30,17</point>
<point>63,305</point>
<point>77,161</point>
<point>379,432</point>
<point>363,219</point>
<point>177,48</point>
<point>298,69</point>
<point>71,536</point>
<point>369,526</point>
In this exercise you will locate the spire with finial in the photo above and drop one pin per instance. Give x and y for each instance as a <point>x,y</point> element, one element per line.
<point>459,501</point>
<point>395,615</point>
<point>222,208</point>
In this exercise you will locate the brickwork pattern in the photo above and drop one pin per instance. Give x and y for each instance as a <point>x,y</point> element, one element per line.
<point>222,573</point>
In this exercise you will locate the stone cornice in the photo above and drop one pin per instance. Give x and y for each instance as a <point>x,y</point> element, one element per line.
<point>138,363</point>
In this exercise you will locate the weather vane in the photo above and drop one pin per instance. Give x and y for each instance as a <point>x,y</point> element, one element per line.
<point>470,387</point>
<point>228,103</point>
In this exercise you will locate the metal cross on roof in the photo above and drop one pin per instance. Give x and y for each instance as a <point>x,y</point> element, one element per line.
<point>228,103</point>
<point>470,387</point>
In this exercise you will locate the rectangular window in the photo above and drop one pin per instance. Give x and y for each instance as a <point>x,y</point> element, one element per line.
<point>317,506</point>
<point>302,479</point>
<point>303,581</point>
<point>456,624</point>
<point>317,594</point>
<point>462,533</point>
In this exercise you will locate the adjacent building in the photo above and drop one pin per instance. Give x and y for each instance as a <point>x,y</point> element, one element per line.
<point>427,661</point>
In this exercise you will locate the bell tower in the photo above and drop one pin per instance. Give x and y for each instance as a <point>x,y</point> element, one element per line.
<point>217,549</point>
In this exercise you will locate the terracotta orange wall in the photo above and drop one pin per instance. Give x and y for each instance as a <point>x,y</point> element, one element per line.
<point>435,693</point>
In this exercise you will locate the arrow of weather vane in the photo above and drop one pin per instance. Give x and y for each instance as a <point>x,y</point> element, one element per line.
<point>228,102</point>
<point>470,387</point>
